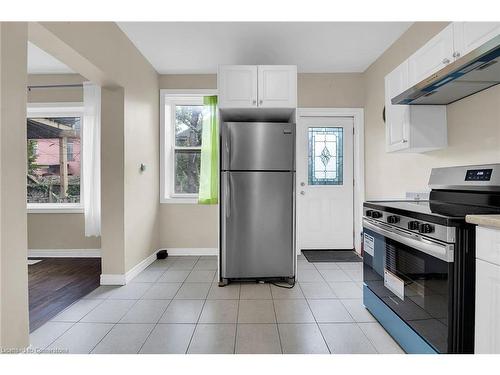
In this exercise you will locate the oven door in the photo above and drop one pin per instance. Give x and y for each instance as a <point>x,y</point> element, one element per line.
<point>412,275</point>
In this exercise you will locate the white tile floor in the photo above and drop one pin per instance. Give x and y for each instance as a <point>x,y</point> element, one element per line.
<point>176,306</point>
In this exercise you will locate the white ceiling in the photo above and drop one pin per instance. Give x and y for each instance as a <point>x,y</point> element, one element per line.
<point>40,62</point>
<point>199,47</point>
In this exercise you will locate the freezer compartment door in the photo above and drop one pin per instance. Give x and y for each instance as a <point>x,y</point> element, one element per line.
<point>257,213</point>
<point>258,146</point>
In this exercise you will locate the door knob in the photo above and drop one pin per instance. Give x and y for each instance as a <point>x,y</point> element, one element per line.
<point>302,184</point>
<point>302,192</point>
<point>446,61</point>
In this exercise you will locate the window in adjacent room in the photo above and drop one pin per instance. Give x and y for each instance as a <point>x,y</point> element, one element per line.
<point>54,158</point>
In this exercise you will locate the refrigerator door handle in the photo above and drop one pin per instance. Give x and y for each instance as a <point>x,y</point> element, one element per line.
<point>228,147</point>
<point>228,195</point>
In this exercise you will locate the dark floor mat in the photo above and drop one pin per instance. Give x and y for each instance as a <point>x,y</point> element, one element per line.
<point>331,256</point>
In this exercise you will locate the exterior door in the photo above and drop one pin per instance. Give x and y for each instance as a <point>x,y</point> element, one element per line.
<point>257,229</point>
<point>325,186</point>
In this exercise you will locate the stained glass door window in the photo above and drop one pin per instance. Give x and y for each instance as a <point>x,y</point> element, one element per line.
<point>325,159</point>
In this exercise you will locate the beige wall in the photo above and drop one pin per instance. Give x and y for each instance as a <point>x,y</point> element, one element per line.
<point>314,90</point>
<point>330,90</point>
<point>473,127</point>
<point>59,231</point>
<point>52,230</point>
<point>13,228</point>
<point>101,52</point>
<point>176,220</point>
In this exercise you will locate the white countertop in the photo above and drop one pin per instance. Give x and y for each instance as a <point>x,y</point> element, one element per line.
<point>484,220</point>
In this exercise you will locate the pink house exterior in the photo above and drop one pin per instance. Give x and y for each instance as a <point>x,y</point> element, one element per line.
<point>47,151</point>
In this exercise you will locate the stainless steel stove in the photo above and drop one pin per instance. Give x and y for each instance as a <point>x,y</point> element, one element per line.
<point>419,269</point>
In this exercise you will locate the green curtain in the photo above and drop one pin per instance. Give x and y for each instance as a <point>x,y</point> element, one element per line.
<point>209,170</point>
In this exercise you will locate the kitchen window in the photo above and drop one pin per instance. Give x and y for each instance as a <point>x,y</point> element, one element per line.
<point>54,161</point>
<point>181,130</point>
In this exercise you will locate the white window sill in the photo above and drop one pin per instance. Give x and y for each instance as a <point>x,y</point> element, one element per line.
<point>179,200</point>
<point>54,208</point>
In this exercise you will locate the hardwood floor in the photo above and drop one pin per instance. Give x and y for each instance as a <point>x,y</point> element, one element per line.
<point>55,283</point>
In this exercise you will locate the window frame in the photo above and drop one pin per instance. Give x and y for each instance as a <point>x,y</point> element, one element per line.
<point>168,100</point>
<point>69,109</point>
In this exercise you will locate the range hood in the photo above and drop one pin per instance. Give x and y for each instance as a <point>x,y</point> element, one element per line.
<point>471,73</point>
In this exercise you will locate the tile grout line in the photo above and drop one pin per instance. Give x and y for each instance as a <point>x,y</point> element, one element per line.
<point>317,325</point>
<point>73,323</point>
<point>101,301</point>
<point>352,317</point>
<point>154,326</point>
<point>276,317</point>
<point>199,316</point>
<point>114,325</point>
<point>237,320</point>
<point>53,341</point>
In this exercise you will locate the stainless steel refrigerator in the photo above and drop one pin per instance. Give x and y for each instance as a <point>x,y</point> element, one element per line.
<point>257,200</point>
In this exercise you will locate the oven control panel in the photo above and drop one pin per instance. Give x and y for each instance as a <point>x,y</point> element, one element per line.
<point>478,174</point>
<point>436,231</point>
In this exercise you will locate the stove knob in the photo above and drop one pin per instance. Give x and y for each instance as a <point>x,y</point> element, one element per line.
<point>413,225</point>
<point>369,213</point>
<point>426,228</point>
<point>393,219</point>
<point>376,214</point>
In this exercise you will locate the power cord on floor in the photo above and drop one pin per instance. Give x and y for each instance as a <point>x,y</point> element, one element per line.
<point>283,286</point>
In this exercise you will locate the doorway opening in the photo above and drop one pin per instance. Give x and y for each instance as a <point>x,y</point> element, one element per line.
<point>63,263</point>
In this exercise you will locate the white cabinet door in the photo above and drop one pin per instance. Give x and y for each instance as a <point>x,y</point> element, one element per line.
<point>237,86</point>
<point>487,328</point>
<point>277,86</point>
<point>396,116</point>
<point>470,35</point>
<point>434,55</point>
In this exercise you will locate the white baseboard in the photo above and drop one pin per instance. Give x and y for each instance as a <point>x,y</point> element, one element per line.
<point>64,253</point>
<point>122,279</point>
<point>188,251</point>
<point>113,279</point>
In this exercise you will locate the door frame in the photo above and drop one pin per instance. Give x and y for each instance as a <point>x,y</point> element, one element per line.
<point>358,161</point>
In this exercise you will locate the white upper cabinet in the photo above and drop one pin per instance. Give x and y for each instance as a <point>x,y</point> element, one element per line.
<point>277,86</point>
<point>257,86</point>
<point>433,56</point>
<point>396,116</point>
<point>415,129</point>
<point>237,86</point>
<point>421,128</point>
<point>470,35</point>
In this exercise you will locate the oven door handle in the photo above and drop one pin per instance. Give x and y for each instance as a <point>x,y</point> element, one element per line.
<point>436,249</point>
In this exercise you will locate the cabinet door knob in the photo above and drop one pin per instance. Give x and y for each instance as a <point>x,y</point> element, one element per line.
<point>303,192</point>
<point>302,184</point>
<point>456,54</point>
<point>254,102</point>
<point>404,141</point>
<point>446,61</point>
<point>261,101</point>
